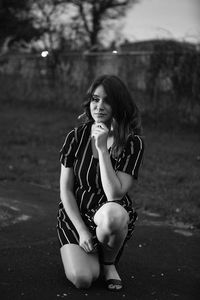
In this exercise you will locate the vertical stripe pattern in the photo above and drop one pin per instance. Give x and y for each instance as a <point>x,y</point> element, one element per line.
<point>77,153</point>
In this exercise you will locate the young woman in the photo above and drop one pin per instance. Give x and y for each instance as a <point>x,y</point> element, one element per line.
<point>99,162</point>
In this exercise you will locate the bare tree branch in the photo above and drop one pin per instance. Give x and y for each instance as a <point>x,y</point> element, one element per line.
<point>84,18</point>
<point>99,10</point>
<point>90,19</point>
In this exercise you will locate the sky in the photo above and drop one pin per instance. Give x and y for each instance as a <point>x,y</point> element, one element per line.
<point>177,19</point>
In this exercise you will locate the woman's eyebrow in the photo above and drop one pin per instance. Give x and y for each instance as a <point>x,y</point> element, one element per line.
<point>94,95</point>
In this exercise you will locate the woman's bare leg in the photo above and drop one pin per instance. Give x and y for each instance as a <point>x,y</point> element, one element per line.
<point>112,227</point>
<point>81,268</point>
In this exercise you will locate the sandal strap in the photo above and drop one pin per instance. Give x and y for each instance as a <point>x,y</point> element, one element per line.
<point>108,263</point>
<point>114,282</point>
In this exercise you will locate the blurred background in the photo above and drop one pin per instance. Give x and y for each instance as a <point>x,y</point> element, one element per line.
<point>50,50</point>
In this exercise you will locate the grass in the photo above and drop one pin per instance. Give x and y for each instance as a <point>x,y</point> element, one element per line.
<point>169,177</point>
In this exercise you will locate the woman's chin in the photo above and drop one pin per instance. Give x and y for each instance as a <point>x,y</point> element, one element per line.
<point>101,120</point>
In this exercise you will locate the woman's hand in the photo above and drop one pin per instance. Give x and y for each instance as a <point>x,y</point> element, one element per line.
<point>100,133</point>
<point>86,241</point>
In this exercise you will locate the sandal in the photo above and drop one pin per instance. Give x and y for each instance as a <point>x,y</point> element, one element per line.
<point>113,284</point>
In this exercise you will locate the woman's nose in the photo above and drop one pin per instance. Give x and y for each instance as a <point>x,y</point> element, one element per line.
<point>100,105</point>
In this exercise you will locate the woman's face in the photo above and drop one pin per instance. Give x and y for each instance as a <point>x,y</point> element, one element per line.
<point>100,109</point>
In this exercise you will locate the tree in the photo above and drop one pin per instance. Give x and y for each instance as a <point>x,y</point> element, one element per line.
<point>75,23</point>
<point>15,21</point>
<point>92,15</point>
<point>52,18</point>
<point>83,21</point>
<point>45,14</point>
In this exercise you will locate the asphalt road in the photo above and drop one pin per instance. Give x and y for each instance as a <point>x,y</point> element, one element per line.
<point>160,262</point>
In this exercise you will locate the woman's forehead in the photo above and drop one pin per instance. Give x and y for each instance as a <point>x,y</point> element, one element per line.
<point>100,91</point>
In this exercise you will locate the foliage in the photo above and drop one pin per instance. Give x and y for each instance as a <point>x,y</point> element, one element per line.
<point>92,16</point>
<point>59,24</point>
<point>164,84</point>
<point>176,66</point>
<point>15,21</point>
<point>47,16</point>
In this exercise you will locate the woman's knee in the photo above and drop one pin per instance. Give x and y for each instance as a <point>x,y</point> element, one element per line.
<point>81,280</point>
<point>80,268</point>
<point>112,217</point>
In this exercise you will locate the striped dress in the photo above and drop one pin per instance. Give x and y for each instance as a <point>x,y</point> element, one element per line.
<point>77,153</point>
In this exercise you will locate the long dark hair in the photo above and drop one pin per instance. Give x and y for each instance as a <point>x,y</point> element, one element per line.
<point>126,116</point>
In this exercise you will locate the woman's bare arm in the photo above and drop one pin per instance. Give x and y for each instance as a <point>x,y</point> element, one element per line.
<point>115,184</point>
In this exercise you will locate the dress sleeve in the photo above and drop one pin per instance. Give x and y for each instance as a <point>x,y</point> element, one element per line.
<point>67,152</point>
<point>131,157</point>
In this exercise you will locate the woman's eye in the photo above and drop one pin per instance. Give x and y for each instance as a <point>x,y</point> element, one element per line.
<point>94,99</point>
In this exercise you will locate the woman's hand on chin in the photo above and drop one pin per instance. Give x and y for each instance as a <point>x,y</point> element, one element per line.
<point>100,133</point>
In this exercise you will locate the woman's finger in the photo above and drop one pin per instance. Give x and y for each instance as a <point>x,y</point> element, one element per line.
<point>87,247</point>
<point>99,130</point>
<point>96,132</point>
<point>84,247</point>
<point>90,245</point>
<point>101,125</point>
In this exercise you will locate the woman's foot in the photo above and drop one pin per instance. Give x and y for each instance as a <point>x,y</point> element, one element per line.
<point>111,277</point>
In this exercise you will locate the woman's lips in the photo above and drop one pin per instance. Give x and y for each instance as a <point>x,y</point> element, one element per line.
<point>99,115</point>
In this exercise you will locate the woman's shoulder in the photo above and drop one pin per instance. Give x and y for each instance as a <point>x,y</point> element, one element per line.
<point>78,130</point>
<point>134,144</point>
<point>81,130</point>
<point>77,134</point>
<point>136,140</point>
